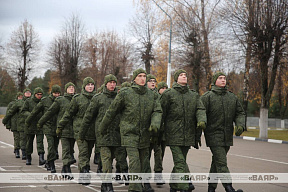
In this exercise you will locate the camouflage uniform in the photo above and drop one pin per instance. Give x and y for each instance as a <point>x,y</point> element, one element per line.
<point>49,127</point>
<point>222,109</point>
<point>16,109</point>
<point>12,125</point>
<point>182,109</point>
<point>139,108</point>
<point>58,108</point>
<point>75,112</point>
<point>110,142</point>
<point>31,128</point>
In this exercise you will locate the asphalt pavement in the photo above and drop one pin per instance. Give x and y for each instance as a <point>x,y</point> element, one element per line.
<point>244,157</point>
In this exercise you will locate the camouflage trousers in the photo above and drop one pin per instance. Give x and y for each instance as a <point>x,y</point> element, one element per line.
<point>67,149</point>
<point>23,140</point>
<point>39,141</point>
<point>138,163</point>
<point>179,154</point>
<point>85,149</point>
<point>157,157</point>
<point>52,147</point>
<point>121,160</point>
<point>16,136</point>
<point>108,154</point>
<point>219,162</point>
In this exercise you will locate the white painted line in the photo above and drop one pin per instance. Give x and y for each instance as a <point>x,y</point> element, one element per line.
<point>1,169</point>
<point>31,186</point>
<point>274,141</point>
<point>7,144</point>
<point>249,138</point>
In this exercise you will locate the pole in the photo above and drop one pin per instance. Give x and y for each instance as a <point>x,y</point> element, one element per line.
<point>169,57</point>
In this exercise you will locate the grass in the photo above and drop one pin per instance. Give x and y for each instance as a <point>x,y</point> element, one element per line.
<point>272,134</point>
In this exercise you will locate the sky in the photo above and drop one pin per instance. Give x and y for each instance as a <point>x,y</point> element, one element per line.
<point>47,16</point>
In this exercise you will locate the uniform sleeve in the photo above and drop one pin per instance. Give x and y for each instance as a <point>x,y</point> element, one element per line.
<point>115,107</point>
<point>156,116</point>
<point>11,111</point>
<point>53,109</point>
<point>164,101</point>
<point>69,113</point>
<point>90,114</point>
<point>25,109</point>
<point>200,116</point>
<point>240,115</point>
<point>36,110</point>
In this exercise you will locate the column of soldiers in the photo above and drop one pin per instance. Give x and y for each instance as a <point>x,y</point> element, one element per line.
<point>129,122</point>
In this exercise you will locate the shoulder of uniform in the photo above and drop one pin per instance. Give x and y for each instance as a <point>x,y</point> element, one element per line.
<point>206,93</point>
<point>43,98</point>
<point>59,98</point>
<point>124,89</point>
<point>76,95</point>
<point>167,90</point>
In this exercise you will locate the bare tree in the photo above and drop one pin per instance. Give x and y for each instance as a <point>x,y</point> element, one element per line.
<point>22,50</point>
<point>143,28</point>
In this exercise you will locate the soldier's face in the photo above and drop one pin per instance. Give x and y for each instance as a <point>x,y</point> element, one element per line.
<point>221,81</point>
<point>162,90</point>
<point>182,79</point>
<point>38,95</point>
<point>27,94</point>
<point>111,85</point>
<point>70,90</point>
<point>89,87</point>
<point>20,97</point>
<point>140,79</point>
<point>151,84</point>
<point>56,94</point>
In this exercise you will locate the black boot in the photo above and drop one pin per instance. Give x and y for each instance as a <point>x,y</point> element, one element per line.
<point>23,154</point>
<point>52,165</point>
<point>229,188</point>
<point>99,169</point>
<point>47,166</point>
<point>69,173</point>
<point>57,155</point>
<point>103,187</point>
<point>109,187</point>
<point>17,154</point>
<point>41,159</point>
<point>158,178</point>
<point>86,178</point>
<point>28,160</point>
<point>147,188</point>
<point>211,189</point>
<point>191,187</point>
<point>96,158</point>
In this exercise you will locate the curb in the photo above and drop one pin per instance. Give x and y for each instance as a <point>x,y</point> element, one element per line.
<point>258,139</point>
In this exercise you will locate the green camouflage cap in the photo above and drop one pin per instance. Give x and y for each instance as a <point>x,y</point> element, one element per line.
<point>137,72</point>
<point>87,80</point>
<point>100,89</point>
<point>161,85</point>
<point>216,75</point>
<point>68,85</point>
<point>56,89</point>
<point>27,89</point>
<point>19,94</point>
<point>38,90</point>
<point>150,76</point>
<point>125,84</point>
<point>109,77</point>
<point>177,73</point>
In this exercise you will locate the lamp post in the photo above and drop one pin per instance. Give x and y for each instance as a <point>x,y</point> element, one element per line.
<point>169,57</point>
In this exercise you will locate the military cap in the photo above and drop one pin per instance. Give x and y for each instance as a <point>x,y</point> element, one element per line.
<point>109,77</point>
<point>215,77</point>
<point>38,90</point>
<point>137,72</point>
<point>68,85</point>
<point>177,73</point>
<point>27,89</point>
<point>87,80</point>
<point>150,76</point>
<point>161,85</point>
<point>56,89</point>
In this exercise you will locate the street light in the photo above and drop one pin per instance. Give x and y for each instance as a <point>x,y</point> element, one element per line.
<point>169,60</point>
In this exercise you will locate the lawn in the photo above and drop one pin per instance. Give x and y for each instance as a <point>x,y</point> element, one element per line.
<point>272,134</point>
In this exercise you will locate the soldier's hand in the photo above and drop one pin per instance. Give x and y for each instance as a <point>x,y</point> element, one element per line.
<point>59,131</point>
<point>201,125</point>
<point>197,144</point>
<point>238,130</point>
<point>153,128</point>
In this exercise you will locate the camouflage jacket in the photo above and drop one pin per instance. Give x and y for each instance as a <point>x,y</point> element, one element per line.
<point>49,127</point>
<point>12,123</point>
<point>222,109</point>
<point>75,112</point>
<point>58,108</point>
<point>96,111</point>
<point>16,109</point>
<point>139,108</point>
<point>31,126</point>
<point>182,109</point>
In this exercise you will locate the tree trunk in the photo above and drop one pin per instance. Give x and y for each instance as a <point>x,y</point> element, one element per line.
<point>263,123</point>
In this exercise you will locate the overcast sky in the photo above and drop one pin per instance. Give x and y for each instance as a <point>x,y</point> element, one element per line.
<point>47,16</point>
